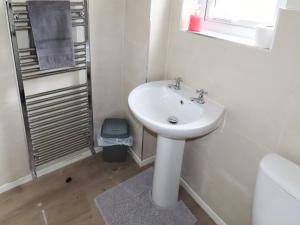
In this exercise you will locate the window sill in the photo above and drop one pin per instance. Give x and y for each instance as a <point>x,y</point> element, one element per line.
<point>230,38</point>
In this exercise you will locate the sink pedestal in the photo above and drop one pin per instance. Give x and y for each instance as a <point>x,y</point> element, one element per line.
<point>167,171</point>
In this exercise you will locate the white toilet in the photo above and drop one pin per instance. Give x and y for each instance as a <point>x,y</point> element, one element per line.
<point>277,195</point>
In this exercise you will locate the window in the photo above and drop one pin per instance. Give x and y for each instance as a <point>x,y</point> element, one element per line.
<point>233,20</point>
<point>249,13</point>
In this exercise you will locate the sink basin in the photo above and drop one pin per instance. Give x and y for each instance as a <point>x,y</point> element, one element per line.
<point>154,103</point>
<point>174,117</point>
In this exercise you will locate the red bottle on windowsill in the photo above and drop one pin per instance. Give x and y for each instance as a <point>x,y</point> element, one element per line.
<point>195,23</point>
<point>195,20</point>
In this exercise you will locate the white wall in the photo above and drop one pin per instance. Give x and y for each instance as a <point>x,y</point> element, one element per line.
<point>260,90</point>
<point>145,49</point>
<point>135,64</point>
<point>158,42</point>
<point>293,4</point>
<point>13,155</point>
<point>159,34</point>
<point>106,34</point>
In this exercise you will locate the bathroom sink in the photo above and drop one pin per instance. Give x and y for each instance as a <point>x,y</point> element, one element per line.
<point>169,111</point>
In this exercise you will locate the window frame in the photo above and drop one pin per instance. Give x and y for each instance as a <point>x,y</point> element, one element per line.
<point>239,29</point>
<point>241,23</point>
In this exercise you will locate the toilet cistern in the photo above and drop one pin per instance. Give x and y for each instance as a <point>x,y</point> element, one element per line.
<point>169,112</point>
<point>277,192</point>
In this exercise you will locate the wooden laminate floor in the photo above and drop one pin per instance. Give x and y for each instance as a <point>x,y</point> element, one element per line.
<point>51,201</point>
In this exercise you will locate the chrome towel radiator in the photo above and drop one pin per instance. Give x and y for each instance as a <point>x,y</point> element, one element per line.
<point>58,122</point>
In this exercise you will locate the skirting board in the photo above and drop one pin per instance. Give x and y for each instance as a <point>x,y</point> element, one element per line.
<point>202,203</point>
<point>138,160</point>
<point>16,183</point>
<point>44,171</point>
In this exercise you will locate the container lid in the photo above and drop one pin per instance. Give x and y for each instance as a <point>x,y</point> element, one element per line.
<point>115,128</point>
<point>284,172</point>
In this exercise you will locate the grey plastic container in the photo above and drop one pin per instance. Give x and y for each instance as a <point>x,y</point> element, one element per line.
<point>115,128</point>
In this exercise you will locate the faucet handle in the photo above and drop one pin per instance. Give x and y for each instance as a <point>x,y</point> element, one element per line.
<point>200,99</point>
<point>179,79</point>
<point>177,85</point>
<point>201,92</point>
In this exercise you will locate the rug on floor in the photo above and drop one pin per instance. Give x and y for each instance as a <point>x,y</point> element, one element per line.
<point>130,203</point>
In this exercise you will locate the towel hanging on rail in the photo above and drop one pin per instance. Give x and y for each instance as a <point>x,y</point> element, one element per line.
<point>52,32</point>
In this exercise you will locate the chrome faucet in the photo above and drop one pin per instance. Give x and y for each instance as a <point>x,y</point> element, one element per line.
<point>177,85</point>
<point>200,98</point>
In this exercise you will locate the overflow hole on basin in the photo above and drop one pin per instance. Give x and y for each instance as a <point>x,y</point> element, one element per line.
<point>172,120</point>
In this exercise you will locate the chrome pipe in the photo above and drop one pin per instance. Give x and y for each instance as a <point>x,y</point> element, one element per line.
<point>30,103</point>
<point>35,108</point>
<point>79,43</point>
<point>72,141</point>
<point>45,74</point>
<point>61,127</point>
<point>34,70</point>
<point>25,12</point>
<point>88,75</point>
<point>29,64</point>
<point>36,63</point>
<point>27,20</point>
<point>55,124</point>
<point>78,50</point>
<point>68,151</point>
<point>58,135</point>
<point>34,56</point>
<point>49,150</point>
<point>56,91</point>
<point>60,114</point>
<point>21,28</point>
<point>59,108</point>
<point>62,138</point>
<point>26,57</point>
<point>24,28</point>
<point>58,125</point>
<point>24,50</point>
<point>24,4</point>
<point>63,118</point>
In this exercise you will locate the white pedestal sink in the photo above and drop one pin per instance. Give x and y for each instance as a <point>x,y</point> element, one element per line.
<point>174,117</point>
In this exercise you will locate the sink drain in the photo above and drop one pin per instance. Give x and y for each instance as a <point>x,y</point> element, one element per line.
<point>172,120</point>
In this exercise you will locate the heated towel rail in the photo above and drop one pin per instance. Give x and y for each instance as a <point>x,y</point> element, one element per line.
<point>58,122</point>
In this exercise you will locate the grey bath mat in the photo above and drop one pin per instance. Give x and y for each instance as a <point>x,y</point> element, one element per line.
<point>130,203</point>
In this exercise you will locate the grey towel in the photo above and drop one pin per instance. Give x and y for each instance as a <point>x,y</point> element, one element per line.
<point>51,24</point>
